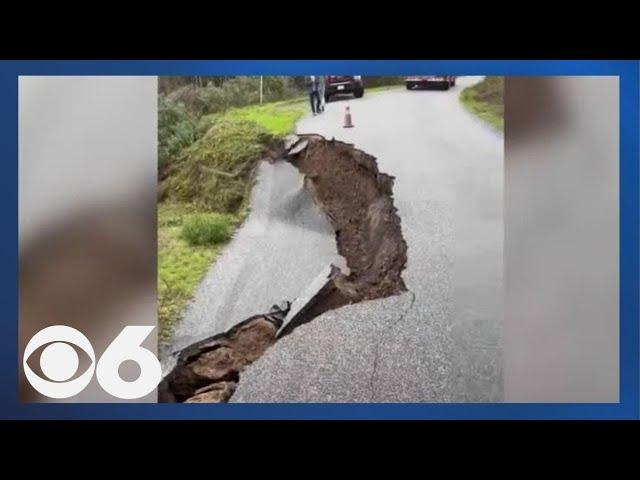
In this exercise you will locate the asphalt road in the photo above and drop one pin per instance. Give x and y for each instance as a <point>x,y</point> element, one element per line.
<point>439,342</point>
<point>283,245</point>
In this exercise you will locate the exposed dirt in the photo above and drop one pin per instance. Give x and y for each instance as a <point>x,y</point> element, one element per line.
<point>358,201</point>
<point>215,393</point>
<point>208,371</point>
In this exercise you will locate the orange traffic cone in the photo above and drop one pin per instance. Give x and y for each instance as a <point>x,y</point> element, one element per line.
<point>347,118</point>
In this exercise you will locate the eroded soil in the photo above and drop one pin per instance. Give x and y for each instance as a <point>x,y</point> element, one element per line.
<point>358,201</point>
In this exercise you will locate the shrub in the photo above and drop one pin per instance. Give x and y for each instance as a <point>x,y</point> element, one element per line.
<point>176,131</point>
<point>215,97</point>
<point>207,229</point>
<point>186,106</point>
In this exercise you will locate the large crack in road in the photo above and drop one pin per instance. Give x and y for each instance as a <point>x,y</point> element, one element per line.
<point>383,338</point>
<point>358,201</point>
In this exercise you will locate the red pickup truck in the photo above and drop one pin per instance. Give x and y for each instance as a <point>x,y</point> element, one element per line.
<point>442,81</point>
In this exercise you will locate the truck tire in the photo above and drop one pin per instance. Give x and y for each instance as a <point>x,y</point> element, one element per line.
<point>409,86</point>
<point>327,98</point>
<point>359,93</point>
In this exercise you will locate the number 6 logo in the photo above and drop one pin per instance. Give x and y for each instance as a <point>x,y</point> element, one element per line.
<point>59,362</point>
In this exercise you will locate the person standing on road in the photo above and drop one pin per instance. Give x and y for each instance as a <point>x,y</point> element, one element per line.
<point>314,97</point>
<point>321,92</point>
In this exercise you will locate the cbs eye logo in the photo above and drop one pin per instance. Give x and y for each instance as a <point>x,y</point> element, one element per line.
<point>59,362</point>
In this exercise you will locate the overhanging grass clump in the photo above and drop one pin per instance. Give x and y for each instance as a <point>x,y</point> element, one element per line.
<point>486,99</point>
<point>207,229</point>
<point>215,172</point>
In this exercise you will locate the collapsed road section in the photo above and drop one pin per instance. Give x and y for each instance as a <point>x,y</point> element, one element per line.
<point>208,371</point>
<point>358,201</point>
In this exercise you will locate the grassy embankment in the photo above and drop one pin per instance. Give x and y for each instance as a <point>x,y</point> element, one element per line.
<point>206,165</point>
<point>486,99</point>
<point>205,193</point>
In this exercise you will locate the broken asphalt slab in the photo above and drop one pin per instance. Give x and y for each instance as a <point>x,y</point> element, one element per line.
<point>336,363</point>
<point>305,301</point>
<point>209,369</point>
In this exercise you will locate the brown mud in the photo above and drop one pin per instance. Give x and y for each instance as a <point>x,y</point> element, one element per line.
<point>208,371</point>
<point>358,201</point>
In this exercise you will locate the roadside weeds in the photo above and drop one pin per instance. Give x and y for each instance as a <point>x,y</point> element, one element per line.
<point>486,100</point>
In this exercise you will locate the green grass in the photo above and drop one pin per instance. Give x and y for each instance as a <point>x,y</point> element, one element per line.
<point>182,263</point>
<point>486,100</point>
<point>181,266</point>
<point>277,118</point>
<point>280,118</point>
<point>205,229</point>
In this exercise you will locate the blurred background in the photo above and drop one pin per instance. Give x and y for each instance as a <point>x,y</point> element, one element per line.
<point>87,213</point>
<point>561,225</point>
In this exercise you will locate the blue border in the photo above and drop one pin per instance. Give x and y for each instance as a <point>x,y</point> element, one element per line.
<point>629,406</point>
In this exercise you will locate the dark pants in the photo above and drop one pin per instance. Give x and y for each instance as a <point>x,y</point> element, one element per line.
<point>314,98</point>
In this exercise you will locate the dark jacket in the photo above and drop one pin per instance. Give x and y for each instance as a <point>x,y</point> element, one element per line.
<point>312,84</point>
